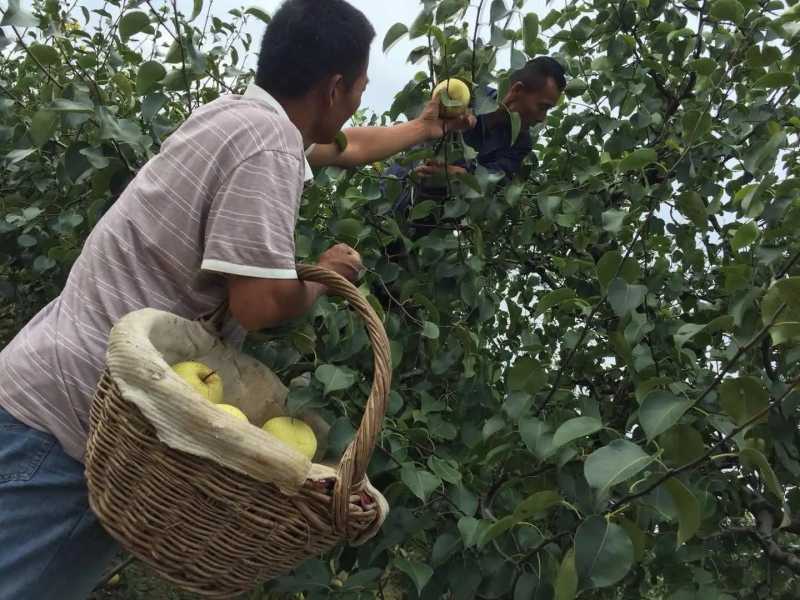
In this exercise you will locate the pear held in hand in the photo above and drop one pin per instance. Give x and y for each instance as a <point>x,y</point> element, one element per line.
<point>294,432</point>
<point>456,90</point>
<point>229,408</point>
<point>201,378</point>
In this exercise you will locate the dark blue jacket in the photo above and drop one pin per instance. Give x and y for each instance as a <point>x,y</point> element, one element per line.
<point>494,149</point>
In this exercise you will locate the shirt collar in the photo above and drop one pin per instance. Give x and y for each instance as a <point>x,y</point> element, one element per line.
<point>254,91</point>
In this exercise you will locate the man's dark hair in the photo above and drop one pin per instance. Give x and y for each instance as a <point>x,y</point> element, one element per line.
<point>308,40</point>
<point>537,71</point>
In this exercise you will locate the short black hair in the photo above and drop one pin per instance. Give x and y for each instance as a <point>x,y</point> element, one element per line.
<point>537,71</point>
<point>308,40</point>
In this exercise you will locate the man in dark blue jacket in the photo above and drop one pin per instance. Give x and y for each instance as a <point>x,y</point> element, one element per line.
<point>535,89</point>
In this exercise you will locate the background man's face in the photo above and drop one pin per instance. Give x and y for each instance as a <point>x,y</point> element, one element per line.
<point>533,106</point>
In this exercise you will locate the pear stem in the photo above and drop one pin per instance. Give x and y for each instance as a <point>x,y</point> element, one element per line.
<point>204,379</point>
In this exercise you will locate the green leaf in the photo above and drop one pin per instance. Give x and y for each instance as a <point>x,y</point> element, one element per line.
<point>46,55</point>
<point>303,398</point>
<point>776,79</point>
<point>745,235</point>
<point>444,547</point>
<point>62,105</point>
<point>530,587</point>
<point>789,291</point>
<point>636,536</point>
<point>464,498</point>
<point>14,16</point>
<point>742,398</point>
<point>751,455</point>
<point>637,160</point>
<point>612,464</point>
<point>536,506</point>
<point>334,378</point>
<point>625,298</point>
<point>530,32</point>
<point>574,429</point>
<point>575,87</point>
<point>418,572</point>
<point>704,66</point>
<point>727,10</point>
<point>472,530</point>
<point>151,104</point>
<point>150,73</point>
<point>552,299</point>
<point>43,125</point>
<point>613,219</point>
<point>566,587</point>
<point>430,330</point>
<point>446,9</point>
<point>516,124</point>
<point>527,375</point>
<point>534,432</point>
<point>682,444</point>
<point>687,507</point>
<point>422,483</point>
<point>95,157</point>
<point>495,530</point>
<point>446,469</point>
<point>688,331</point>
<point>660,410</point>
<point>121,130</point>
<point>609,263</point>
<point>133,22</point>
<point>695,125</point>
<point>259,14</point>
<point>197,8</point>
<point>603,553</point>
<point>395,32</point>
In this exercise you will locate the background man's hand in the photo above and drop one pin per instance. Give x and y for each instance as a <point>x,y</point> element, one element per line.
<point>342,259</point>
<point>432,166</point>
<point>437,126</point>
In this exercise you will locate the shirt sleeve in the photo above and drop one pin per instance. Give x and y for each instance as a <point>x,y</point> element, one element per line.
<point>251,223</point>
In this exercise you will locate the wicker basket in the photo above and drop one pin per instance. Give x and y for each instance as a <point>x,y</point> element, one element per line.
<point>206,527</point>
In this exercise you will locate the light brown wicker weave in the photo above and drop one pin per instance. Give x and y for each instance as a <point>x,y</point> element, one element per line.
<point>212,530</point>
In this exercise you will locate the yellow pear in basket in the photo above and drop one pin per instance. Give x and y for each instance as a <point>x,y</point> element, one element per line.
<point>201,378</point>
<point>294,432</point>
<point>229,408</point>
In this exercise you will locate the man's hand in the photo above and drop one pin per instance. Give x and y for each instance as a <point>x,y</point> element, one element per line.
<point>436,126</point>
<point>342,259</point>
<point>432,166</point>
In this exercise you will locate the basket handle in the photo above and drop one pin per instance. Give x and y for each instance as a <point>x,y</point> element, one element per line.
<point>354,462</point>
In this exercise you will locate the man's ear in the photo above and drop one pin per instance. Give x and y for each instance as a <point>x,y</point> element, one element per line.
<point>329,88</point>
<point>517,88</point>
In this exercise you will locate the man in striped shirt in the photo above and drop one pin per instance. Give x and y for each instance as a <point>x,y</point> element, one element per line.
<point>211,216</point>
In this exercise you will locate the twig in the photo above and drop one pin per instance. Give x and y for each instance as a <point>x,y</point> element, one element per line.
<point>115,570</point>
<point>183,55</point>
<point>36,60</point>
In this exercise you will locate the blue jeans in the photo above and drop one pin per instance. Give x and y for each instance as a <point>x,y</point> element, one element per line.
<point>52,547</point>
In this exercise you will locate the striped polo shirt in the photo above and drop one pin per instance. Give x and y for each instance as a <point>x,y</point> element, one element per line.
<point>222,196</point>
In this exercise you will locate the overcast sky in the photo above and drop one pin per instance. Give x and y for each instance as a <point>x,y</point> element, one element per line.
<point>390,72</point>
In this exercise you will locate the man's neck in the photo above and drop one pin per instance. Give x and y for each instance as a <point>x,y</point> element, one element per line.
<point>498,118</point>
<point>301,115</point>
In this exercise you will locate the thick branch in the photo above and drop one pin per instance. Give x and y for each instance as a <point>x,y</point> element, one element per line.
<point>762,535</point>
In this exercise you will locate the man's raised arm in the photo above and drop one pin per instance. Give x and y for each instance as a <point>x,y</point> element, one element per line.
<point>366,145</point>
